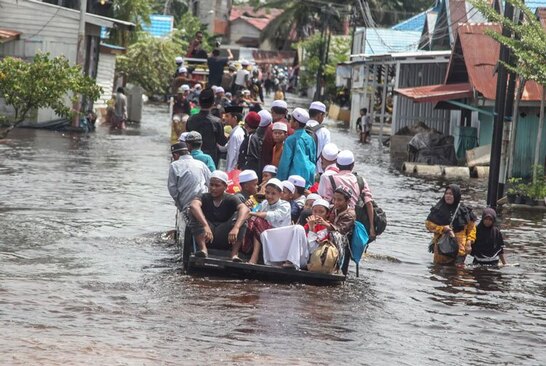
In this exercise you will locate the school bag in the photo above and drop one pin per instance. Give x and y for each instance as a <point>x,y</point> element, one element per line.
<point>312,131</point>
<point>324,259</point>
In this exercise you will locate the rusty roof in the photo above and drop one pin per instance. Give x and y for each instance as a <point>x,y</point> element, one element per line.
<point>7,35</point>
<point>437,93</point>
<point>481,54</point>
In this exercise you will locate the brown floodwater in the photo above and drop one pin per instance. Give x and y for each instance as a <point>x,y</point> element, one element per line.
<point>85,277</point>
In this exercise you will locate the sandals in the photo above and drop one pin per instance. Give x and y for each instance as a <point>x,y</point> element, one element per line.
<point>288,265</point>
<point>201,254</point>
<point>236,259</point>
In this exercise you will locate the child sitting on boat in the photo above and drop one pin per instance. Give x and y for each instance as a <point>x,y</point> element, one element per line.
<point>268,172</point>
<point>288,192</point>
<point>315,229</point>
<point>299,195</point>
<point>488,248</point>
<point>273,212</point>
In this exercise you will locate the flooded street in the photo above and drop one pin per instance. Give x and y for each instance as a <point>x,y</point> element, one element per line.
<point>85,277</point>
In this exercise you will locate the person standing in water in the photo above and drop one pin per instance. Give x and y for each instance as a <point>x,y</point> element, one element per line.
<point>488,248</point>
<point>462,227</point>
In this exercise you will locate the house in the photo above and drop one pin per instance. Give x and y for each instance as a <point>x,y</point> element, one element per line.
<point>213,13</point>
<point>469,88</point>
<point>246,26</point>
<point>33,26</point>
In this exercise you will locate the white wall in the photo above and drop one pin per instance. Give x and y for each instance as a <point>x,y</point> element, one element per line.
<point>105,78</point>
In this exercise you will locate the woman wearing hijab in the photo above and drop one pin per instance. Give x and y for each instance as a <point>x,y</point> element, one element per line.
<point>463,228</point>
<point>489,244</point>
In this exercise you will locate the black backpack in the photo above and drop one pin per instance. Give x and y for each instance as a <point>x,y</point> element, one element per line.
<point>312,131</point>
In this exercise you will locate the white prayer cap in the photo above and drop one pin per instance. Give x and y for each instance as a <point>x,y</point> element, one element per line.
<point>182,137</point>
<point>177,117</point>
<point>280,126</point>
<point>300,115</point>
<point>265,118</point>
<point>219,89</point>
<point>277,183</point>
<point>214,87</point>
<point>182,69</point>
<point>270,169</point>
<point>321,202</point>
<point>247,176</point>
<point>220,175</point>
<point>297,180</point>
<point>245,63</point>
<point>345,157</point>
<point>330,151</point>
<point>179,60</point>
<point>313,196</point>
<point>197,86</point>
<point>280,104</point>
<point>184,88</point>
<point>318,106</point>
<point>245,92</point>
<point>286,184</point>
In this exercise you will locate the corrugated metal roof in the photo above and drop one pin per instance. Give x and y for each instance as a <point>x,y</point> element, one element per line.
<point>415,23</point>
<point>481,54</point>
<point>160,25</point>
<point>384,40</point>
<point>7,35</point>
<point>437,93</point>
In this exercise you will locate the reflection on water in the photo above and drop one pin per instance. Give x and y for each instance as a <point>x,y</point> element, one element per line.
<point>86,278</point>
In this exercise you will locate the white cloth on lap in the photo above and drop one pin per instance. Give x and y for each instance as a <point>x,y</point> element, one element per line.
<point>287,243</point>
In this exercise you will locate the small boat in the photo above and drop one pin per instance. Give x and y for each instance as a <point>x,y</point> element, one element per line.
<point>219,263</point>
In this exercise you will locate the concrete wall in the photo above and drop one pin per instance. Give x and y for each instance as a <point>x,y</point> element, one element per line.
<point>239,29</point>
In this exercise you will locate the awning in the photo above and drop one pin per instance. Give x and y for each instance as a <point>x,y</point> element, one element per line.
<point>437,93</point>
<point>7,35</point>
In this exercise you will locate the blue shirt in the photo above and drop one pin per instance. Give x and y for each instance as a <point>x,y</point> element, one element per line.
<point>298,157</point>
<point>205,158</point>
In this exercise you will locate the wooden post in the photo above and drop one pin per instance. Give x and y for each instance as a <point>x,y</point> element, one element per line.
<point>539,135</point>
<point>386,69</point>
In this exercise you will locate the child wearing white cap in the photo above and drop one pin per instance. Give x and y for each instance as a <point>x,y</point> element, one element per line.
<point>268,172</point>
<point>299,195</point>
<point>321,135</point>
<point>273,212</point>
<point>288,194</point>
<point>248,180</point>
<point>280,131</point>
<point>314,227</point>
<point>299,151</point>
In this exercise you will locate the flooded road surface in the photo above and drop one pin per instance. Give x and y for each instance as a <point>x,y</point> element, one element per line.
<point>85,277</point>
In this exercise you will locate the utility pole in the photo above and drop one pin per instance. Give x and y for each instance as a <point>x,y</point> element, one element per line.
<point>80,59</point>
<point>500,101</point>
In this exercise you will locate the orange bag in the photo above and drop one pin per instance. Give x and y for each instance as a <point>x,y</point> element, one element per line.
<point>233,182</point>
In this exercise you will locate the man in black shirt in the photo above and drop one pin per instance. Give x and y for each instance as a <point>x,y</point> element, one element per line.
<point>218,219</point>
<point>216,66</point>
<point>209,126</point>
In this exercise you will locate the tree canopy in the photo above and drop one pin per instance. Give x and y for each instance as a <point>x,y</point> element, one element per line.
<point>43,83</point>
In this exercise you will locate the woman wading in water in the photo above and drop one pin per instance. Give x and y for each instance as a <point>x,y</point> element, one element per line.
<point>445,218</point>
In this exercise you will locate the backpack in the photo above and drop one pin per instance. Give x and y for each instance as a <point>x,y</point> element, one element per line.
<point>312,131</point>
<point>380,217</point>
<point>324,259</point>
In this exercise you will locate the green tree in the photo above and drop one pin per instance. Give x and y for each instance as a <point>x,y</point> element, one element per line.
<point>149,62</point>
<point>338,52</point>
<point>134,11</point>
<point>44,83</point>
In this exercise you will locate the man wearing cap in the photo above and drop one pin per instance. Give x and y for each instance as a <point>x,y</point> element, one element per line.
<point>232,116</point>
<point>217,219</point>
<point>194,142</point>
<point>321,135</point>
<point>209,126</point>
<point>181,79</point>
<point>179,63</point>
<point>216,66</point>
<point>349,181</point>
<point>299,151</point>
<point>228,79</point>
<point>279,109</point>
<point>242,76</point>
<point>248,180</point>
<point>252,122</point>
<point>188,178</point>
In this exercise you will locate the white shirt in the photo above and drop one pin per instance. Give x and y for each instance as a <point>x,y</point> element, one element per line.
<point>240,77</point>
<point>236,138</point>
<point>277,214</point>
<point>323,138</point>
